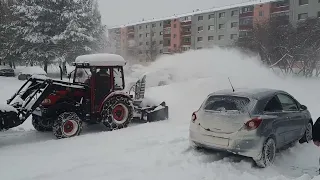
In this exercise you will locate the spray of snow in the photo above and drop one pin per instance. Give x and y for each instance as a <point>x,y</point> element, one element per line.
<point>161,150</point>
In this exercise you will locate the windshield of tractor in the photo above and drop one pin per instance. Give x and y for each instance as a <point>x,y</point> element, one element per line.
<point>82,75</point>
<point>118,81</point>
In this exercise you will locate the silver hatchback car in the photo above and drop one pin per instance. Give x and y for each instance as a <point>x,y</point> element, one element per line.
<point>250,122</point>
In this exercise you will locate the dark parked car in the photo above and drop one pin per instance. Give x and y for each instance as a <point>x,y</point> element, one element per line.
<point>250,122</point>
<point>6,71</point>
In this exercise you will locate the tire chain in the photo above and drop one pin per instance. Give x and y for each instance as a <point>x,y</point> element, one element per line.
<point>57,125</point>
<point>107,118</point>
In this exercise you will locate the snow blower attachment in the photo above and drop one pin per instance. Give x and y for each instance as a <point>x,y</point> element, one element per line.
<point>145,109</point>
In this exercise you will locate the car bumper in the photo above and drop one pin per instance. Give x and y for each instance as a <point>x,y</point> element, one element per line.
<point>250,146</point>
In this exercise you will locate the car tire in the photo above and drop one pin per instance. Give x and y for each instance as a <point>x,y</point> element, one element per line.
<point>67,125</point>
<point>268,153</point>
<point>307,136</point>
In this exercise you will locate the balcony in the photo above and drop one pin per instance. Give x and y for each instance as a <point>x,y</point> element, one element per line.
<point>186,23</point>
<point>167,36</point>
<point>130,29</point>
<point>275,9</point>
<point>166,50</point>
<point>246,27</point>
<point>186,33</point>
<point>188,43</point>
<point>167,25</point>
<point>246,14</point>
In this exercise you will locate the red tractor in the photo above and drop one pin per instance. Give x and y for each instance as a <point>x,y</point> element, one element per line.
<point>96,95</point>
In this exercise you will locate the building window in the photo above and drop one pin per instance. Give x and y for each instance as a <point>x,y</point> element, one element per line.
<point>233,36</point>
<point>147,43</point>
<point>140,35</point>
<point>160,24</point>
<point>234,24</point>
<point>161,33</point>
<point>174,35</point>
<point>211,16</point>
<point>199,39</point>
<point>140,43</point>
<point>161,51</point>
<point>261,13</point>
<point>221,26</point>
<point>246,21</point>
<point>221,15</point>
<point>246,9</point>
<point>146,26</point>
<point>210,38</point>
<point>153,25</point>
<point>303,2</point>
<point>221,37</point>
<point>200,28</point>
<point>234,13</point>
<point>187,39</point>
<point>140,27</point>
<point>174,45</point>
<point>160,42</point>
<point>211,27</point>
<point>319,13</point>
<point>147,34</point>
<point>302,16</point>
<point>200,18</point>
<point>175,26</point>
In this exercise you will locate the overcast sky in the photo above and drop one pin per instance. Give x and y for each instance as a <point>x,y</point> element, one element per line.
<point>124,11</point>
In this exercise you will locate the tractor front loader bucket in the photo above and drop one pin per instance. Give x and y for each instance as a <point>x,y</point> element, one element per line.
<point>147,112</point>
<point>20,106</point>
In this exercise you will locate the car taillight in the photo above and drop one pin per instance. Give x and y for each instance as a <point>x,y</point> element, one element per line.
<point>194,117</point>
<point>253,123</point>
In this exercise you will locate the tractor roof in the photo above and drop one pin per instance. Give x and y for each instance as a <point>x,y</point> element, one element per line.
<point>103,59</point>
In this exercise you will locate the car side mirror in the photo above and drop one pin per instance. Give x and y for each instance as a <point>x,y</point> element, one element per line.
<point>303,107</point>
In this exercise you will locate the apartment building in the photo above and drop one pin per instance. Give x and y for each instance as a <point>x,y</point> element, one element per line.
<point>207,28</point>
<point>302,9</point>
<point>218,27</point>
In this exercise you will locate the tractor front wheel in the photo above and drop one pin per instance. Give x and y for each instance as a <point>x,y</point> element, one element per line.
<point>117,112</point>
<point>67,125</point>
<point>40,124</point>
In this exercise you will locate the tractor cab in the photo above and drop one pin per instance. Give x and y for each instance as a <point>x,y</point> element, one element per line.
<point>102,74</point>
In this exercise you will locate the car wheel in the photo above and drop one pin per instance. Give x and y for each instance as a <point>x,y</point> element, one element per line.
<point>268,154</point>
<point>307,137</point>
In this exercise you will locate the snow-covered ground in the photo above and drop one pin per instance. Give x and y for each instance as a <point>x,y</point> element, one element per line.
<point>160,150</point>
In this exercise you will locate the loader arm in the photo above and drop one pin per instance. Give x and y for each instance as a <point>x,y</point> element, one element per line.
<point>28,98</point>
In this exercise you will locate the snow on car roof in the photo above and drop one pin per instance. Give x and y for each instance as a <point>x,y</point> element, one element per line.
<point>33,70</point>
<point>103,59</point>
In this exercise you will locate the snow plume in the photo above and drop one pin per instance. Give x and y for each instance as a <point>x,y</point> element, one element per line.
<point>195,74</point>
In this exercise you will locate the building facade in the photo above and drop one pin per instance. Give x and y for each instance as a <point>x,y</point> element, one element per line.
<point>205,29</point>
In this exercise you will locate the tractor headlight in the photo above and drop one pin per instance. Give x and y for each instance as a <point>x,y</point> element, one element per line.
<point>46,101</point>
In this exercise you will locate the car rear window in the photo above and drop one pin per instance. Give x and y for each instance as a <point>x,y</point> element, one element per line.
<point>227,103</point>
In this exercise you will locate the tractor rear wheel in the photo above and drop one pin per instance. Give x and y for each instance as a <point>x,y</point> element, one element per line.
<point>117,112</point>
<point>40,124</point>
<point>67,125</point>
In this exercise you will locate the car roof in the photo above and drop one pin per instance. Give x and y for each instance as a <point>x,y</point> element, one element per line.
<point>255,93</point>
<point>101,59</point>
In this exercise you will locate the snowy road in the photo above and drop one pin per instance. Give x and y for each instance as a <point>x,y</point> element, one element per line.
<point>160,150</point>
